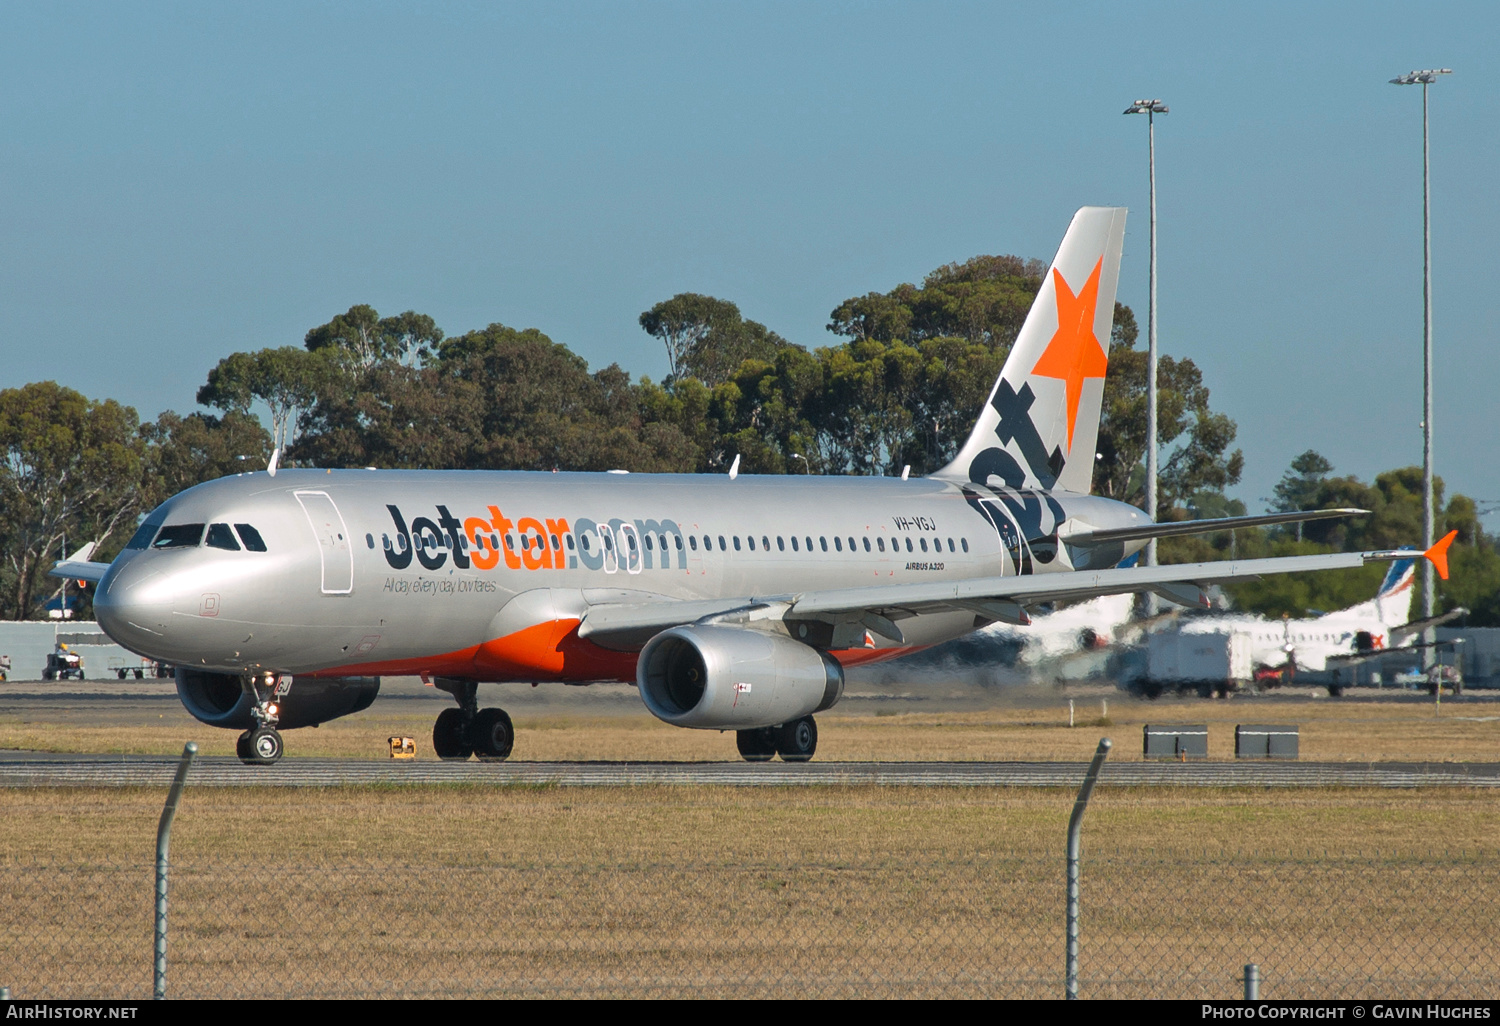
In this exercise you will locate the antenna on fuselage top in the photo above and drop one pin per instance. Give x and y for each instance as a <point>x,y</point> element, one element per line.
<point>275,458</point>
<point>906,472</point>
<point>734,468</point>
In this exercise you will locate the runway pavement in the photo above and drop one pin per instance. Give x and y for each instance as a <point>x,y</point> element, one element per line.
<point>26,769</point>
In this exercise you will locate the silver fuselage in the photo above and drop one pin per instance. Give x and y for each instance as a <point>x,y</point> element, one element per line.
<point>486,575</point>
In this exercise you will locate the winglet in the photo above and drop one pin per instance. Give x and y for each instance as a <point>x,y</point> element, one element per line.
<point>1438,554</point>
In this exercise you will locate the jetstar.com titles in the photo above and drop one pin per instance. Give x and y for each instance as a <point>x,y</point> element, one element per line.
<point>530,543</point>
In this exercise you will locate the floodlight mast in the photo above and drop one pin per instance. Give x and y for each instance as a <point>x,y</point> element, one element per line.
<point>1425,78</point>
<point>1151,108</point>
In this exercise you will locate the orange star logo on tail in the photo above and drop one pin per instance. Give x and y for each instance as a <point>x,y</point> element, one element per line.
<point>1074,353</point>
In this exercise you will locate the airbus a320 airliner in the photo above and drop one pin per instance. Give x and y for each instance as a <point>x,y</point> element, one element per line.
<point>731,602</point>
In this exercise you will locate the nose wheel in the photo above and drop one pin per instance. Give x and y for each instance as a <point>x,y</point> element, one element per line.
<point>259,747</point>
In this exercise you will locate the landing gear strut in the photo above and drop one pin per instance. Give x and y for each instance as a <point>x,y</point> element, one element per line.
<point>261,745</point>
<point>794,742</point>
<point>470,730</point>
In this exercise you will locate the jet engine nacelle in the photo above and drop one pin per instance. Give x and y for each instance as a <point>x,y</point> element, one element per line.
<point>218,699</point>
<point>727,678</point>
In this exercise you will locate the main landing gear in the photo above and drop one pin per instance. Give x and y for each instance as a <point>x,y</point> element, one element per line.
<point>261,745</point>
<point>470,730</point>
<point>794,742</point>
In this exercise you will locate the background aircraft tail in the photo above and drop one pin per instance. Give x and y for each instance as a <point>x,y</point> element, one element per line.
<point>1041,423</point>
<point>1391,605</point>
<point>1399,577</point>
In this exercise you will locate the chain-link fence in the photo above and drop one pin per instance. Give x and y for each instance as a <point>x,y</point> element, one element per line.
<point>1181,925</point>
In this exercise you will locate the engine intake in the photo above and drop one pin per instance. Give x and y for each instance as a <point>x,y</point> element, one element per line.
<point>728,678</point>
<point>218,699</point>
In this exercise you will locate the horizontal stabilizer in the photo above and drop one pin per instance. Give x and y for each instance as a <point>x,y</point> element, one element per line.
<point>78,570</point>
<point>1409,630</point>
<point>1084,536</point>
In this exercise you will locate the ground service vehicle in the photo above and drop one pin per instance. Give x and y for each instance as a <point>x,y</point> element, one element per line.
<point>62,663</point>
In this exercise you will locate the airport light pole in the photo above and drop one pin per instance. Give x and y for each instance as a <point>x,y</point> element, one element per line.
<point>1151,108</point>
<point>1425,78</point>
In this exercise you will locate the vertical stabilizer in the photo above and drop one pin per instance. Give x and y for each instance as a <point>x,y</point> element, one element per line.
<point>1040,425</point>
<point>1393,600</point>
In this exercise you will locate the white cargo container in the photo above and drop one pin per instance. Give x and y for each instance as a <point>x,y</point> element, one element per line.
<point>1207,661</point>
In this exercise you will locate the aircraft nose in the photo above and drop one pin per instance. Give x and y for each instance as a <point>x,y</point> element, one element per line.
<point>134,605</point>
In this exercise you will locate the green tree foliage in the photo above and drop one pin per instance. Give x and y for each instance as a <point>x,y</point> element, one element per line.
<point>361,338</point>
<point>1298,487</point>
<point>288,380</point>
<point>185,451</point>
<point>73,469</point>
<point>983,300</point>
<point>1194,439</point>
<point>707,338</point>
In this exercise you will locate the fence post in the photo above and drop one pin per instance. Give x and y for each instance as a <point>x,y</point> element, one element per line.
<point>163,844</point>
<point>1252,982</point>
<point>1075,829</point>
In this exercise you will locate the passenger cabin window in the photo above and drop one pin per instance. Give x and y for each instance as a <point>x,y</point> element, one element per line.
<point>880,544</point>
<point>965,543</point>
<point>693,542</point>
<point>179,536</point>
<point>781,543</point>
<point>837,543</point>
<point>736,543</point>
<point>765,543</point>
<point>794,543</point>
<point>867,544</point>
<point>751,540</point>
<point>221,537</point>
<point>823,542</point>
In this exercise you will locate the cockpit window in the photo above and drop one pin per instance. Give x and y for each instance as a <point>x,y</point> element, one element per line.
<point>178,536</point>
<point>221,537</point>
<point>143,535</point>
<point>251,537</point>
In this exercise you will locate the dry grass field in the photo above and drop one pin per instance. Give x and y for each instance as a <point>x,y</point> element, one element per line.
<point>677,890</point>
<point>714,891</point>
<point>1022,724</point>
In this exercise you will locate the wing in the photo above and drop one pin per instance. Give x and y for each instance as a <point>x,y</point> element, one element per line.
<point>629,625</point>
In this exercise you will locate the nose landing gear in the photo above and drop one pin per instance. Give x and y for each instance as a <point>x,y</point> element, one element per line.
<point>261,745</point>
<point>470,730</point>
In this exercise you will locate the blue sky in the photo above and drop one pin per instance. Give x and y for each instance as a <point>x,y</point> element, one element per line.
<point>180,181</point>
